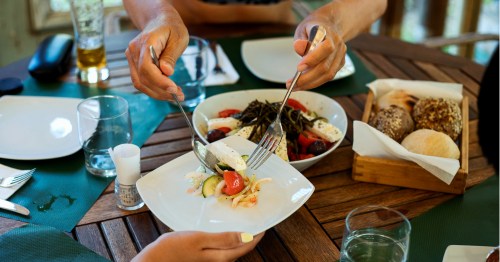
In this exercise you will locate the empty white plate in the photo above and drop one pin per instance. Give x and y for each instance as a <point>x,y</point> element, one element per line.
<point>36,127</point>
<point>275,60</point>
<point>164,190</point>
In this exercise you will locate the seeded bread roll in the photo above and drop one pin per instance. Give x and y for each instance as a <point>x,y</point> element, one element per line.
<point>431,143</point>
<point>399,98</point>
<point>393,121</point>
<point>438,114</point>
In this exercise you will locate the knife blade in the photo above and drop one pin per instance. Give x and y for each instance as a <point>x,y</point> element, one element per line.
<point>7,205</point>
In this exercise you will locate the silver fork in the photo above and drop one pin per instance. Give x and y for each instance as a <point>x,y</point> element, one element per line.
<point>207,158</point>
<point>274,133</point>
<point>17,179</point>
<point>217,68</point>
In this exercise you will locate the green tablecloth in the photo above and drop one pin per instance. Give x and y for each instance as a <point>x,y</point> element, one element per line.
<point>471,219</point>
<point>42,243</point>
<point>61,191</point>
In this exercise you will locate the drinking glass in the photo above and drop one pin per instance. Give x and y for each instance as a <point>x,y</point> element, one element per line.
<point>103,123</point>
<point>191,70</point>
<point>375,233</point>
<point>88,24</point>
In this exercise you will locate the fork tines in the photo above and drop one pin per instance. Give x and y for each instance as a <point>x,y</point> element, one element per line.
<point>264,150</point>
<point>14,180</point>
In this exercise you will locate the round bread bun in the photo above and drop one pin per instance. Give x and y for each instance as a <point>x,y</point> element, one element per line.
<point>393,121</point>
<point>438,114</point>
<point>431,143</point>
<point>399,98</point>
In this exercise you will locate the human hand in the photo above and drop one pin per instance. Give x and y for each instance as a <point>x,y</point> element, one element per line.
<point>169,37</point>
<point>199,246</point>
<point>320,65</point>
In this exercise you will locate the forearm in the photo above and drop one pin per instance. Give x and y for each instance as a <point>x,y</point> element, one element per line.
<point>350,16</point>
<point>141,12</point>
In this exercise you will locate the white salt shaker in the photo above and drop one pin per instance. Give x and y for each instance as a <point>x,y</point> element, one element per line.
<point>127,159</point>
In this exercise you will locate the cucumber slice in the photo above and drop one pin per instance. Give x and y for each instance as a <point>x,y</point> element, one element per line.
<point>209,185</point>
<point>224,166</point>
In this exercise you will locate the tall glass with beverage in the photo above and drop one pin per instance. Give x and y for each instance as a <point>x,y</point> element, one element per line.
<point>88,24</point>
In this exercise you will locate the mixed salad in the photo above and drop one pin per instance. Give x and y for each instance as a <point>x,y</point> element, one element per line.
<point>306,134</point>
<point>230,182</point>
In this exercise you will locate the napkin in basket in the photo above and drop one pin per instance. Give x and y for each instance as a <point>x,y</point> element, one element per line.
<point>368,141</point>
<point>5,171</point>
<point>213,79</point>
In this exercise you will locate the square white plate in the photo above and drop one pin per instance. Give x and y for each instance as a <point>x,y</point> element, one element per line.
<point>275,60</point>
<point>164,190</point>
<point>36,127</point>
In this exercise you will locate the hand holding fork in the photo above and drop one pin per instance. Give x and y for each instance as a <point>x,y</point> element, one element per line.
<point>274,132</point>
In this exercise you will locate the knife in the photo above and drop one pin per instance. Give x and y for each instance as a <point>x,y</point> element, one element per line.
<point>7,205</point>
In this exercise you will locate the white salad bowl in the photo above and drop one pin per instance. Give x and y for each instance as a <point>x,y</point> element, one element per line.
<point>324,106</point>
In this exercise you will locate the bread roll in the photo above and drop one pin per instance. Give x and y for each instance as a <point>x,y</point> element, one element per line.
<point>438,114</point>
<point>393,121</point>
<point>431,143</point>
<point>399,98</point>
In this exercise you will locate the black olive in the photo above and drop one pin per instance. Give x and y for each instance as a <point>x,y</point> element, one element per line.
<point>316,148</point>
<point>214,135</point>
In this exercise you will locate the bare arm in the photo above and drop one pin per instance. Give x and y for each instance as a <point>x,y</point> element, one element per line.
<point>343,20</point>
<point>161,27</point>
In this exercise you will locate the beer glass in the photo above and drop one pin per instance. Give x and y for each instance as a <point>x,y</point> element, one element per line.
<point>88,24</point>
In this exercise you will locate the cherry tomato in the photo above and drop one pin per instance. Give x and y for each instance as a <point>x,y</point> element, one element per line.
<point>306,138</point>
<point>228,112</point>
<point>295,104</point>
<point>224,129</point>
<point>234,183</point>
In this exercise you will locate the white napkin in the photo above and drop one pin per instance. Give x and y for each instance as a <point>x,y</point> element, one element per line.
<point>127,160</point>
<point>368,141</point>
<point>230,76</point>
<point>5,171</point>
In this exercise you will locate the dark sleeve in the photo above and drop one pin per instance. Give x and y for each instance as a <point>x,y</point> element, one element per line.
<point>488,107</point>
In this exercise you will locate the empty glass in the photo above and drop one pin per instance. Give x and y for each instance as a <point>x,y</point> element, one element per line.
<point>103,123</point>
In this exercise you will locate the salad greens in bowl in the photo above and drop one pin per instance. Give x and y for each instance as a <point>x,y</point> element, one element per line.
<point>314,124</point>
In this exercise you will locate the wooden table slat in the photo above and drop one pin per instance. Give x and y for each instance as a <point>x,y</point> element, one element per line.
<point>91,237</point>
<point>119,241</point>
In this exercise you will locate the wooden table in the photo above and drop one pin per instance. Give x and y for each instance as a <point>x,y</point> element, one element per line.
<point>314,232</point>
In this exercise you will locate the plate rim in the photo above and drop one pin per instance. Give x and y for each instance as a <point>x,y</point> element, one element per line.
<point>49,99</point>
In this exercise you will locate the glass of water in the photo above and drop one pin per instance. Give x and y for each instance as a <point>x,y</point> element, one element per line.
<point>191,70</point>
<point>103,123</point>
<point>375,233</point>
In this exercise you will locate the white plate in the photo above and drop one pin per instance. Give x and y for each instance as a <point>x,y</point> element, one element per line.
<point>275,60</point>
<point>36,127</point>
<point>459,253</point>
<point>164,190</point>
<point>324,106</point>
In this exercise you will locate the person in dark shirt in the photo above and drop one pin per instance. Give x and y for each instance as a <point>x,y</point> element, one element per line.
<point>488,107</point>
<point>163,25</point>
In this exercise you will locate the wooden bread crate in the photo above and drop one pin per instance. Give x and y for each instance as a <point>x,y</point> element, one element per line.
<point>408,174</point>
